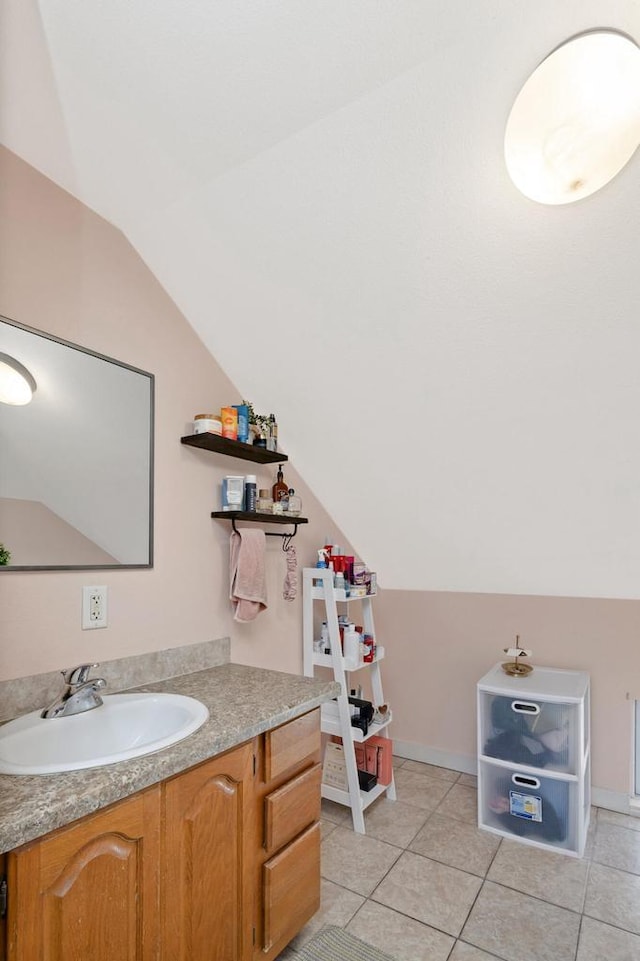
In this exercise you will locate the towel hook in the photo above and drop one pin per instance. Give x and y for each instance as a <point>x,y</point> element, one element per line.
<point>286,540</point>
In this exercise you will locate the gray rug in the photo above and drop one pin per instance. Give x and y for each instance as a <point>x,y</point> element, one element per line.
<point>334,944</point>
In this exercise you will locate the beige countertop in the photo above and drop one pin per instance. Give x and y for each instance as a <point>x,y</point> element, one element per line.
<point>242,702</point>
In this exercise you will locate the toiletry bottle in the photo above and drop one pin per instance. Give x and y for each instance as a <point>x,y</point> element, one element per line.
<point>295,503</point>
<point>369,646</point>
<point>265,501</point>
<point>272,440</point>
<point>243,422</point>
<point>233,493</point>
<point>229,418</point>
<point>280,489</point>
<point>352,648</point>
<point>250,493</point>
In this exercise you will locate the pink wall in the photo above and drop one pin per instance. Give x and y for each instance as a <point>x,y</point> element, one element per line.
<point>34,530</point>
<point>66,271</point>
<point>442,643</point>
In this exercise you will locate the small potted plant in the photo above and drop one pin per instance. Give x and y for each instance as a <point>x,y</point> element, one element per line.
<point>258,427</point>
<point>5,555</point>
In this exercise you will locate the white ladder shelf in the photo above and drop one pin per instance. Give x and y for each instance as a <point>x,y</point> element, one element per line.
<point>318,586</point>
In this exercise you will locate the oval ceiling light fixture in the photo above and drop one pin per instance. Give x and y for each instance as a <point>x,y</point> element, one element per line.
<point>576,121</point>
<point>17,385</point>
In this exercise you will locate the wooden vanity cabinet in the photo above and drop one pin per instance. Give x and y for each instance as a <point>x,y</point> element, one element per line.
<point>219,863</point>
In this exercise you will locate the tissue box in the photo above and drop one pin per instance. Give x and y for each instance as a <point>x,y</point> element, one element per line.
<point>334,769</point>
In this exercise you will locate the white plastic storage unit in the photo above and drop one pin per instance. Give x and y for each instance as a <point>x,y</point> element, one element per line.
<point>336,716</point>
<point>533,757</point>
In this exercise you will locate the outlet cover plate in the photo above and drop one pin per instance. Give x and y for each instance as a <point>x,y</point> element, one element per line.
<point>94,608</point>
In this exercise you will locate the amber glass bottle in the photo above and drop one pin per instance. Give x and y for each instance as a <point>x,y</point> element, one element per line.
<point>280,489</point>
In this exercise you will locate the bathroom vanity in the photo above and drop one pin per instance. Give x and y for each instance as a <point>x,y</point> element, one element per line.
<point>208,853</point>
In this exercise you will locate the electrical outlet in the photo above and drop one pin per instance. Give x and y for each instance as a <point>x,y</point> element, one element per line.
<point>94,608</point>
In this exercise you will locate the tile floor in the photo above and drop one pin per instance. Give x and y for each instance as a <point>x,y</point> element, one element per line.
<point>425,884</point>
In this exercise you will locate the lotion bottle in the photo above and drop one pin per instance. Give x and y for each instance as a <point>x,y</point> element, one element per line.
<point>351,648</point>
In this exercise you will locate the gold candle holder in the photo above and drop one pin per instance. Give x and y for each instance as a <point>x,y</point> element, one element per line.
<point>517,667</point>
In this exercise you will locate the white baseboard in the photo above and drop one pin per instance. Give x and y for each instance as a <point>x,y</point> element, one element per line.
<point>433,755</point>
<point>614,801</point>
<point>600,797</point>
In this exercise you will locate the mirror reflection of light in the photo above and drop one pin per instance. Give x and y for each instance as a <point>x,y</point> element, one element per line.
<point>576,121</point>
<point>17,385</point>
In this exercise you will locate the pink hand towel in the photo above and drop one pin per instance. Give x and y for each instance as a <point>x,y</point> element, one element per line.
<point>248,582</point>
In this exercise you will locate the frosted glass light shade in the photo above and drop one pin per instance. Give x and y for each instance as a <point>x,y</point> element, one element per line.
<point>576,121</point>
<point>16,383</point>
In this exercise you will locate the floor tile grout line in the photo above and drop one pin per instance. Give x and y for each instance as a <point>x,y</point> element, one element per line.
<point>534,897</point>
<point>464,923</point>
<point>612,867</point>
<point>575,956</point>
<point>445,864</point>
<point>586,888</point>
<point>610,924</point>
<point>490,954</point>
<point>425,924</point>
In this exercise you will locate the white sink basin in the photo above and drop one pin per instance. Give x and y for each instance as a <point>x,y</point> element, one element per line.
<point>124,726</point>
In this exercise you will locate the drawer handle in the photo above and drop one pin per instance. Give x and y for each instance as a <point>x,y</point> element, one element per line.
<point>523,781</point>
<point>525,707</point>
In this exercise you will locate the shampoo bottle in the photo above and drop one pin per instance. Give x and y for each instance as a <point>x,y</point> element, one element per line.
<point>250,493</point>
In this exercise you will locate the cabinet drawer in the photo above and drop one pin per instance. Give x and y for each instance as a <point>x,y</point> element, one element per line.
<point>291,882</point>
<point>528,805</point>
<point>292,808</point>
<point>530,731</point>
<point>291,743</point>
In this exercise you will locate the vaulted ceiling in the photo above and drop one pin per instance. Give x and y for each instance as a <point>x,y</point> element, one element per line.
<point>321,188</point>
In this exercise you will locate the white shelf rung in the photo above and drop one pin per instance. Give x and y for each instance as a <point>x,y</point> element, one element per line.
<point>326,660</point>
<point>331,725</point>
<point>342,797</point>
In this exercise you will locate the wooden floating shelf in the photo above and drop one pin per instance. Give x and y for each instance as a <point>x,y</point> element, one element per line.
<point>260,518</point>
<point>234,448</point>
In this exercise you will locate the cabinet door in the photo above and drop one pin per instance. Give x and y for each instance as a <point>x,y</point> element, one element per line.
<point>89,891</point>
<point>208,895</point>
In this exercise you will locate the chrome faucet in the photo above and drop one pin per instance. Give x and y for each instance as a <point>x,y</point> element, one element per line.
<point>80,694</point>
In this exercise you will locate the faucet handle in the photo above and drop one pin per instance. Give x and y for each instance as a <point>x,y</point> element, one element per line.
<point>77,675</point>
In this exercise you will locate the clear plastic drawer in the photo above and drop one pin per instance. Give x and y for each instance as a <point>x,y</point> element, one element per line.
<point>529,806</point>
<point>535,733</point>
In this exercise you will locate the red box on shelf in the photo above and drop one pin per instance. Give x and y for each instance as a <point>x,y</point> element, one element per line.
<point>375,755</point>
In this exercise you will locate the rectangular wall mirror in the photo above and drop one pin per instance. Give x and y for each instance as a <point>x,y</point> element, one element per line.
<point>76,463</point>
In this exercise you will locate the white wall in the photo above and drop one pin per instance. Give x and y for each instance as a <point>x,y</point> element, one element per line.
<point>323,194</point>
